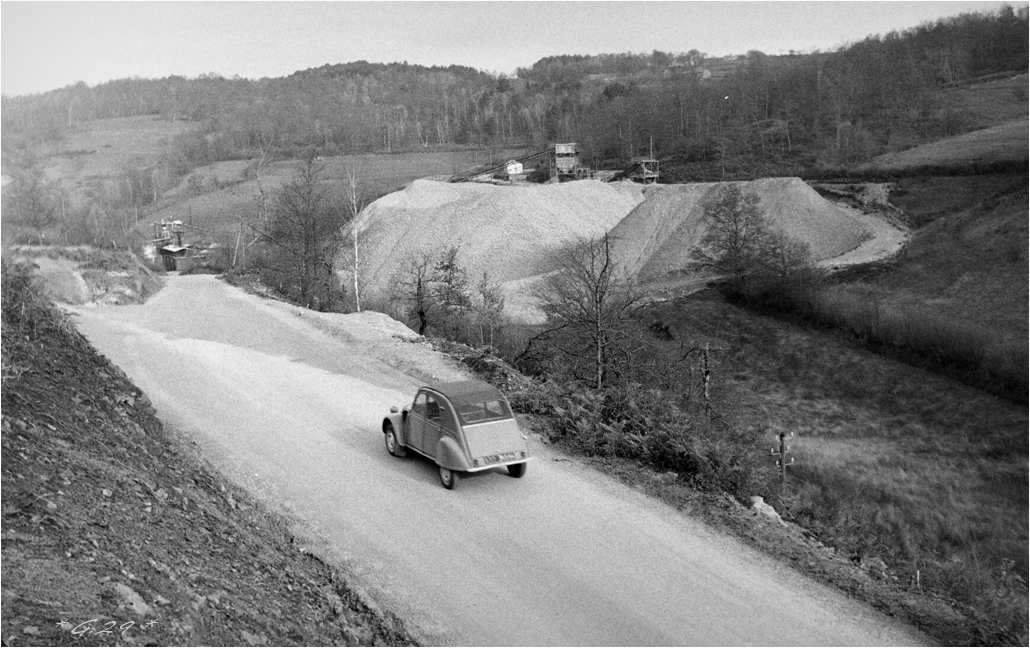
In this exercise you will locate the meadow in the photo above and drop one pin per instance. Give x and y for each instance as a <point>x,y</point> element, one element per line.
<point>215,197</point>
<point>892,463</point>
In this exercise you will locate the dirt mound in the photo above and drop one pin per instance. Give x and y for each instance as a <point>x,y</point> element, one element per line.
<point>509,232</point>
<point>655,239</point>
<point>83,275</point>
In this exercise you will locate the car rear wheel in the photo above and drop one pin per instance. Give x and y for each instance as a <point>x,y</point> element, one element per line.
<point>392,445</point>
<point>517,470</point>
<point>448,478</point>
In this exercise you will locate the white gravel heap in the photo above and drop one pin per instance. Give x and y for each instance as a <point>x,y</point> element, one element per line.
<point>655,240</point>
<point>508,231</point>
<point>512,232</point>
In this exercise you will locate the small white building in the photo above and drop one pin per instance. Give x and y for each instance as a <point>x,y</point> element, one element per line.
<point>514,168</point>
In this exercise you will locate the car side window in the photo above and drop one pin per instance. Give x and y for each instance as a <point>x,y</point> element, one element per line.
<point>419,407</point>
<point>432,409</point>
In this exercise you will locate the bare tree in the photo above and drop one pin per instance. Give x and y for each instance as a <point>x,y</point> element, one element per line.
<point>787,274</point>
<point>30,199</point>
<point>303,235</point>
<point>355,204</point>
<point>240,249</point>
<point>412,286</point>
<point>490,309</point>
<point>436,292</point>
<point>588,304</point>
<point>736,237</point>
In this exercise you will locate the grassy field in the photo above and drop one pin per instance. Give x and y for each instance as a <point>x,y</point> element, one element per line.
<point>893,463</point>
<point>987,103</point>
<point>214,197</point>
<point>966,264</point>
<point>1006,142</point>
<point>106,147</point>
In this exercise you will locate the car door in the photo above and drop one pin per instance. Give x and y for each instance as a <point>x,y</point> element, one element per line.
<point>439,420</point>
<point>434,419</point>
<point>417,422</point>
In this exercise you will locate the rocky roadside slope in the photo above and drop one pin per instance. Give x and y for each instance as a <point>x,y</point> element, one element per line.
<point>115,532</point>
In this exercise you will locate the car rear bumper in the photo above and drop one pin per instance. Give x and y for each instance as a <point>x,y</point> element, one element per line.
<point>499,464</point>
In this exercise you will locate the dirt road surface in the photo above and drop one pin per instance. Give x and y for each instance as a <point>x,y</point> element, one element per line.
<point>288,403</point>
<point>886,239</point>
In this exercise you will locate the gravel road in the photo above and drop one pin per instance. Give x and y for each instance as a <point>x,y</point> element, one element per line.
<point>288,403</point>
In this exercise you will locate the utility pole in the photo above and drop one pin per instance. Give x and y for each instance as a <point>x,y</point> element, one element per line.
<point>781,452</point>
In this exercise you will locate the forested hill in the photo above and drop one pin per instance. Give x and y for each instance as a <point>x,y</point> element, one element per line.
<point>741,116</point>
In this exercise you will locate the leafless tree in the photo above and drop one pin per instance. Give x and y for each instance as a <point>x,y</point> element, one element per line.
<point>30,199</point>
<point>736,235</point>
<point>303,235</point>
<point>413,287</point>
<point>489,310</point>
<point>588,303</point>
<point>260,166</point>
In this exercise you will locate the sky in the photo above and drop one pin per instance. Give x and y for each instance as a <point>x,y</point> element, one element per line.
<point>48,45</point>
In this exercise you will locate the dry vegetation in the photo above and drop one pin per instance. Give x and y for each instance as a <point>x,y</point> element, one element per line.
<point>894,464</point>
<point>989,102</point>
<point>106,147</point>
<point>998,144</point>
<point>957,297</point>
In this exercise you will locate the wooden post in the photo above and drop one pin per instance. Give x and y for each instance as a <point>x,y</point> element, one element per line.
<point>781,451</point>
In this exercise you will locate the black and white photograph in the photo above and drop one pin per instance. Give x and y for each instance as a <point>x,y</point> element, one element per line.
<point>520,323</point>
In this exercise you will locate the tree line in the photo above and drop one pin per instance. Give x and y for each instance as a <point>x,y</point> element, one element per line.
<point>705,116</point>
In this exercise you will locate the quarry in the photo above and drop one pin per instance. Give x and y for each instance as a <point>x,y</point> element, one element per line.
<point>512,234</point>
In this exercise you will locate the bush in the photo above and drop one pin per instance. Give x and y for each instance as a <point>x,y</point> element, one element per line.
<point>997,365</point>
<point>632,422</point>
<point>27,314</point>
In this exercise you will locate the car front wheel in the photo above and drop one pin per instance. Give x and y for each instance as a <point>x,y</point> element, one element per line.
<point>517,470</point>
<point>448,478</point>
<point>392,445</point>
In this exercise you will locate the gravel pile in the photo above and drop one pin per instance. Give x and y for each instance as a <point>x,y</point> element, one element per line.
<point>655,240</point>
<point>511,232</point>
<point>508,231</point>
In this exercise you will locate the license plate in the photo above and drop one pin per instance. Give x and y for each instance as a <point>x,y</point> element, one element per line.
<point>508,456</point>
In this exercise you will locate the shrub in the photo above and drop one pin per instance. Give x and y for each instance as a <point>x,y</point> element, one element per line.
<point>633,422</point>
<point>1000,366</point>
<point>27,314</point>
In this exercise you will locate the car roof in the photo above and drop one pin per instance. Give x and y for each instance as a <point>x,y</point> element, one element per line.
<point>465,390</point>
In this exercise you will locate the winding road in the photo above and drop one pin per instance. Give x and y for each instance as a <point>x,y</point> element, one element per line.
<point>288,404</point>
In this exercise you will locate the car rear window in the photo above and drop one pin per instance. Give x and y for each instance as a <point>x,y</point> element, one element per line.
<point>482,411</point>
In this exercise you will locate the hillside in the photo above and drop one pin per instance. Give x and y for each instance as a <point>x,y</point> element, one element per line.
<point>1005,143</point>
<point>990,101</point>
<point>113,524</point>
<point>895,466</point>
<point>968,260</point>
<point>738,117</point>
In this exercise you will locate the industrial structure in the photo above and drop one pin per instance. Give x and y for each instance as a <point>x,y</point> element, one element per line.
<point>562,164</point>
<point>162,245</point>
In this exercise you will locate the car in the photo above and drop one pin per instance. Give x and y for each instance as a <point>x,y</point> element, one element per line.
<point>464,427</point>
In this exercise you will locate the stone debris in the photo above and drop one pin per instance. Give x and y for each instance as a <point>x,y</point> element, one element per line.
<point>758,504</point>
